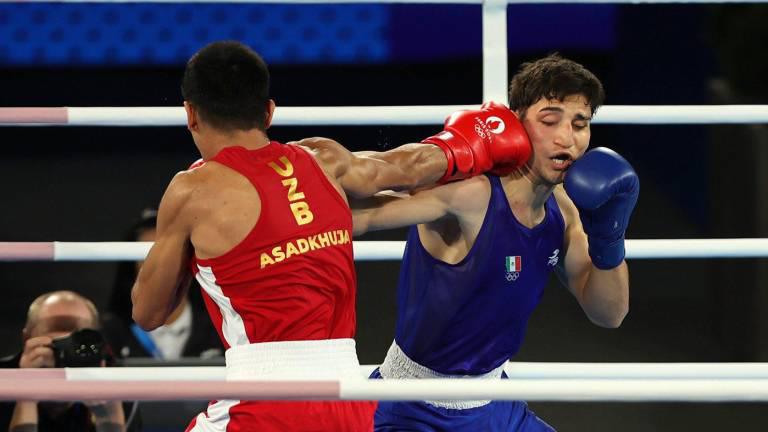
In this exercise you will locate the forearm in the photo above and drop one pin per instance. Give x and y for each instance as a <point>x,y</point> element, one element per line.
<point>154,298</point>
<point>376,219</point>
<point>388,210</point>
<point>410,166</point>
<point>160,284</point>
<point>369,213</point>
<point>605,297</point>
<point>24,417</point>
<point>371,219</point>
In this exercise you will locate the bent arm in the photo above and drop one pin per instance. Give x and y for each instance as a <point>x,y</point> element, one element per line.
<point>407,167</point>
<point>602,294</point>
<point>165,276</point>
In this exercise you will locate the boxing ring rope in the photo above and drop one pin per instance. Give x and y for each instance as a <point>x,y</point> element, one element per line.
<point>514,370</point>
<point>371,115</point>
<point>378,250</point>
<point>56,384</point>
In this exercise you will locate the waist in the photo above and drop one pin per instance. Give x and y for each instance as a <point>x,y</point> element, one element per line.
<point>327,359</point>
<point>397,365</point>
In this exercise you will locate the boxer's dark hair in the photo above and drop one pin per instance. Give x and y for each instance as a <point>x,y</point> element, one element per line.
<point>553,77</point>
<point>228,84</point>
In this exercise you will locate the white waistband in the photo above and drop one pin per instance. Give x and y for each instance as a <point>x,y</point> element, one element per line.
<point>397,365</point>
<point>328,359</point>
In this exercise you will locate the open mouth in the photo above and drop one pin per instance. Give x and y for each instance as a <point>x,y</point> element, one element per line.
<point>561,161</point>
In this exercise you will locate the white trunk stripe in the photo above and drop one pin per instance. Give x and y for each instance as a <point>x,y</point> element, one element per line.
<point>232,326</point>
<point>217,418</point>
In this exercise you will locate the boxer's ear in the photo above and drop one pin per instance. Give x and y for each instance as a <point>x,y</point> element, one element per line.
<point>269,114</point>
<point>192,119</point>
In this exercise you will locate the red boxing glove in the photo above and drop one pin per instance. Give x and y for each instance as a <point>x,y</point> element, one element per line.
<point>476,141</point>
<point>196,164</point>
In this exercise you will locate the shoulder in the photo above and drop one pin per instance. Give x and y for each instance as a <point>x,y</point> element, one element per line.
<point>183,191</point>
<point>333,157</point>
<point>184,184</point>
<point>320,147</point>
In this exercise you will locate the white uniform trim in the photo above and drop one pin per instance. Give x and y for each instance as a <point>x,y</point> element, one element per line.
<point>232,326</point>
<point>397,365</point>
<point>217,418</point>
<point>329,359</point>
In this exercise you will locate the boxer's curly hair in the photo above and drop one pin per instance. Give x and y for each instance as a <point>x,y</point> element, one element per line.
<point>228,83</point>
<point>553,77</point>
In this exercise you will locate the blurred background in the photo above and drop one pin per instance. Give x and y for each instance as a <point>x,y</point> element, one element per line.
<point>91,184</point>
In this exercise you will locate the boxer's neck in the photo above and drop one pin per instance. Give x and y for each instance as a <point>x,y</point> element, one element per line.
<point>214,141</point>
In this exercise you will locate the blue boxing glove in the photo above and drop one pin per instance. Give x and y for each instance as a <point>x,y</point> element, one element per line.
<point>604,188</point>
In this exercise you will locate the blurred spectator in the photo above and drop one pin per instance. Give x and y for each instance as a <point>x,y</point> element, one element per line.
<point>56,323</point>
<point>188,331</point>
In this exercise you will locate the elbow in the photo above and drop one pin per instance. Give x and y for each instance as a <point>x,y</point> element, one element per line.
<point>612,320</point>
<point>145,319</point>
<point>143,315</point>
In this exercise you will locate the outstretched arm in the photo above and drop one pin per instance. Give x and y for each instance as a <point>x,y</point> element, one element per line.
<point>164,278</point>
<point>363,174</point>
<point>472,142</point>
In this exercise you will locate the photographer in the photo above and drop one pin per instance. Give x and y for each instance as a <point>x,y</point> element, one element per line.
<point>57,322</point>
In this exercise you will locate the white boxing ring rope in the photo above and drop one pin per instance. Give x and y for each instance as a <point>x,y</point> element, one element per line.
<point>379,250</point>
<point>514,370</point>
<point>157,384</point>
<point>372,115</point>
<point>572,390</point>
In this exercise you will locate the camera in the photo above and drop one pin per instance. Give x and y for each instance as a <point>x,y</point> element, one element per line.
<point>82,348</point>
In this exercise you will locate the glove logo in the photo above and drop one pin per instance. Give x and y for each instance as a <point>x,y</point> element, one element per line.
<point>480,129</point>
<point>495,124</point>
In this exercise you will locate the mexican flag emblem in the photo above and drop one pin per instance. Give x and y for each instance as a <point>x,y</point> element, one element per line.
<point>514,264</point>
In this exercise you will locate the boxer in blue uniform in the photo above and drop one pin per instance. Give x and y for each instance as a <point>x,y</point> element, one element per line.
<point>481,252</point>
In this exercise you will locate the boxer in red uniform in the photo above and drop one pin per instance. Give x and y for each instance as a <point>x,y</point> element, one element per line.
<point>268,230</point>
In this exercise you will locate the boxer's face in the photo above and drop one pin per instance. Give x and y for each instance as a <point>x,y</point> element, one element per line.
<point>559,131</point>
